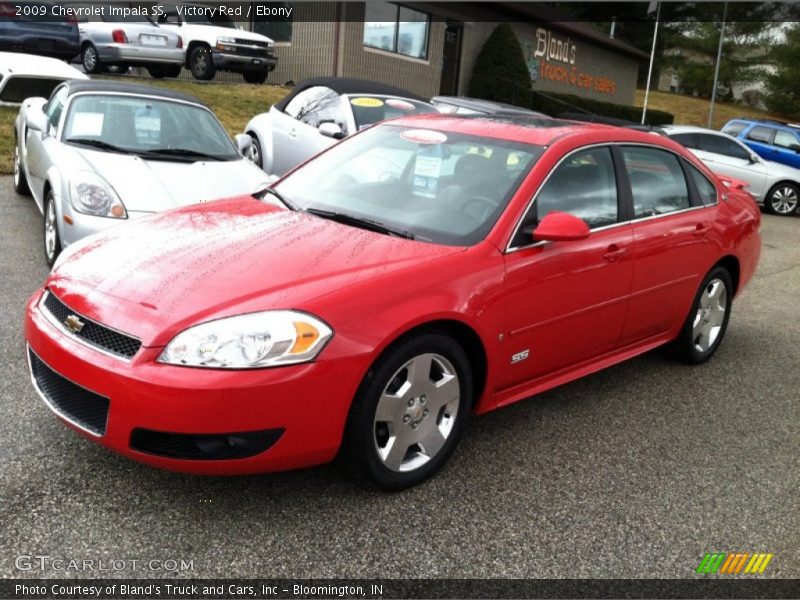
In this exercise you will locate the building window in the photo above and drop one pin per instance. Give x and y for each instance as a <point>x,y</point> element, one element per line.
<point>274,24</point>
<point>396,28</point>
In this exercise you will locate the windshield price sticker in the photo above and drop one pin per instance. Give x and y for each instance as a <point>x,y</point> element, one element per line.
<point>86,125</point>
<point>367,102</point>
<point>428,166</point>
<point>423,136</point>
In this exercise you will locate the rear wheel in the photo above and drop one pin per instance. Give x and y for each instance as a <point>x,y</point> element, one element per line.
<point>707,322</point>
<point>161,71</point>
<point>201,63</point>
<point>90,60</point>
<point>20,181</point>
<point>257,77</point>
<point>409,413</point>
<point>782,199</point>
<point>52,241</point>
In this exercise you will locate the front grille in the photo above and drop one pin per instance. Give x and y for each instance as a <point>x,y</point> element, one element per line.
<point>76,404</point>
<point>242,42</point>
<point>92,333</point>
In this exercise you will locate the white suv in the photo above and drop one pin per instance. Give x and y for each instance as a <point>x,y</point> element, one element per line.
<point>215,43</point>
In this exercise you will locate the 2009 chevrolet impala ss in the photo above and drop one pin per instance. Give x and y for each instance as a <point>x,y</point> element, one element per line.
<point>422,270</point>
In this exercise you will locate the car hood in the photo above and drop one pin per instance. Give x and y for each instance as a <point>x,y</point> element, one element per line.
<point>207,31</point>
<point>161,274</point>
<point>154,185</point>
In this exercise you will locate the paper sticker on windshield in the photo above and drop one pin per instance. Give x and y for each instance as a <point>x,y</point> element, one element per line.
<point>86,125</point>
<point>423,136</point>
<point>366,102</point>
<point>147,123</point>
<point>428,166</point>
<point>400,104</point>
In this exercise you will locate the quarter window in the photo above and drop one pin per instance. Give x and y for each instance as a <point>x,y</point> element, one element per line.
<point>657,181</point>
<point>705,189</point>
<point>785,139</point>
<point>396,28</point>
<point>760,134</point>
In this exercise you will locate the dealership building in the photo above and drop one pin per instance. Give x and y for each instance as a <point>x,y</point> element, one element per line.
<point>430,48</point>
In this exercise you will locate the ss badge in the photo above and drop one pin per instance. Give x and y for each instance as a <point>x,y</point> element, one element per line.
<point>520,356</point>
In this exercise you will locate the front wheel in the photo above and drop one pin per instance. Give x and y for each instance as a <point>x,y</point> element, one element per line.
<point>257,77</point>
<point>52,241</point>
<point>20,181</point>
<point>782,199</point>
<point>253,153</point>
<point>201,63</point>
<point>707,322</point>
<point>409,413</point>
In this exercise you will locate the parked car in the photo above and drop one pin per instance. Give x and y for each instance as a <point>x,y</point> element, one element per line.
<point>775,186</point>
<point>318,113</point>
<point>462,105</point>
<point>367,321</point>
<point>100,153</point>
<point>129,41</point>
<point>33,28</point>
<point>771,140</point>
<point>26,75</point>
<point>215,43</point>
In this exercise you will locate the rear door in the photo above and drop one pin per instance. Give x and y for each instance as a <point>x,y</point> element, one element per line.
<point>788,146</point>
<point>759,138</point>
<point>671,243</point>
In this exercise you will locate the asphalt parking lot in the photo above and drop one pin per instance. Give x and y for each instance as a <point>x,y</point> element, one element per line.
<point>634,472</point>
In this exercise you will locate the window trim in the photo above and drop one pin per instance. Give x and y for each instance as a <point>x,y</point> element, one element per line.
<point>509,249</point>
<point>396,53</point>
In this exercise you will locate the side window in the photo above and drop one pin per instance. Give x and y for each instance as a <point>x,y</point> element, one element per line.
<point>734,128</point>
<point>583,185</point>
<point>687,139</point>
<point>55,106</point>
<point>657,181</point>
<point>705,189</point>
<point>785,140</point>
<point>317,105</point>
<point>760,134</point>
<point>719,144</point>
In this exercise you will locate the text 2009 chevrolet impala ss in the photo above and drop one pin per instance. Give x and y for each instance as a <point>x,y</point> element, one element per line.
<point>424,269</point>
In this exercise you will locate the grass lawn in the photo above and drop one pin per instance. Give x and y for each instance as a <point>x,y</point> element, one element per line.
<point>234,104</point>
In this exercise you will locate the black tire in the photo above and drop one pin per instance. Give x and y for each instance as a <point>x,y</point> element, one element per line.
<point>690,346</point>
<point>256,156</point>
<point>157,71</point>
<point>783,199</point>
<point>50,254</point>
<point>256,77</point>
<point>359,454</point>
<point>201,63</point>
<point>90,60</point>
<point>20,181</point>
<point>173,70</point>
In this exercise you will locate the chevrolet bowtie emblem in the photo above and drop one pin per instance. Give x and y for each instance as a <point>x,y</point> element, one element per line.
<point>74,324</point>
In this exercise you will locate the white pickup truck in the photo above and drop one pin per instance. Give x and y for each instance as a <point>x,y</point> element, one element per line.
<point>214,42</point>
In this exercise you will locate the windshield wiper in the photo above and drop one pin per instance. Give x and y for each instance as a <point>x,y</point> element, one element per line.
<point>96,144</point>
<point>360,222</point>
<point>180,153</point>
<point>284,200</point>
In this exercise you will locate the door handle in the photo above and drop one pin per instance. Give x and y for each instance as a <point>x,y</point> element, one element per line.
<point>700,230</point>
<point>614,253</point>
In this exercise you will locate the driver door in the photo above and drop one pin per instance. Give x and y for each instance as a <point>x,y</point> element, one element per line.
<point>38,144</point>
<point>567,300</point>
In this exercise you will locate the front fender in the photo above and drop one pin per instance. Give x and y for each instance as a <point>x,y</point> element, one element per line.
<point>260,127</point>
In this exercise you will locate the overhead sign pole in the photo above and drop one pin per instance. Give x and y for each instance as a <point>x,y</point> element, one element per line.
<point>716,68</point>
<point>652,56</point>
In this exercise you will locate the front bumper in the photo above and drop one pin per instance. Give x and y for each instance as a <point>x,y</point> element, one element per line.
<point>78,225</point>
<point>239,62</point>
<point>140,55</point>
<point>303,406</point>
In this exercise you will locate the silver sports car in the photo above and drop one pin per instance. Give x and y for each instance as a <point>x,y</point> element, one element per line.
<point>98,153</point>
<point>775,186</point>
<point>318,113</point>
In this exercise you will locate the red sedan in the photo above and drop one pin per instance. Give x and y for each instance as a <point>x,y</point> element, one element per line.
<point>422,270</point>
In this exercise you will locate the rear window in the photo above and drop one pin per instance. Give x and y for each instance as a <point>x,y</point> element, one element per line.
<point>760,134</point>
<point>18,89</point>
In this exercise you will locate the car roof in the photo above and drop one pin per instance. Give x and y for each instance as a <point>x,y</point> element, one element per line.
<point>138,89</point>
<point>347,85</point>
<point>488,105</point>
<point>16,63</point>
<point>690,129</point>
<point>767,122</point>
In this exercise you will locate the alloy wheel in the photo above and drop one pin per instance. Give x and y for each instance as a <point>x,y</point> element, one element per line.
<point>17,166</point>
<point>784,200</point>
<point>416,412</point>
<point>710,316</point>
<point>50,233</point>
<point>253,155</point>
<point>89,59</point>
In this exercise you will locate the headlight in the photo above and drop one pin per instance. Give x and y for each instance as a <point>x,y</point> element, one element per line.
<point>226,40</point>
<point>92,195</point>
<point>262,339</point>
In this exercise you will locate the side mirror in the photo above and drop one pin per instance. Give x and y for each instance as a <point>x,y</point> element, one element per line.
<point>754,159</point>
<point>331,130</point>
<point>560,227</point>
<point>243,143</point>
<point>36,120</point>
<point>795,147</point>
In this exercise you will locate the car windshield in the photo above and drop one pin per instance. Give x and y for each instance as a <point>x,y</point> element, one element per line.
<point>441,187</point>
<point>368,110</point>
<point>152,127</point>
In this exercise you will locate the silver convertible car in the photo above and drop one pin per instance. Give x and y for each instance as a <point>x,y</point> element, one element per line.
<point>98,153</point>
<point>318,113</point>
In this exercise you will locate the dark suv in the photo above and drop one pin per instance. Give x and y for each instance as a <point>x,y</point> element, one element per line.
<point>772,140</point>
<point>35,28</point>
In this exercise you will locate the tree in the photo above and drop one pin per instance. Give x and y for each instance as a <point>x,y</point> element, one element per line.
<point>783,93</point>
<point>500,72</point>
